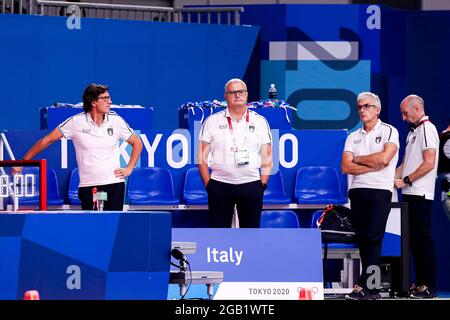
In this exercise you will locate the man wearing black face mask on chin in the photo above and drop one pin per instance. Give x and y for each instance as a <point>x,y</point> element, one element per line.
<point>416,177</point>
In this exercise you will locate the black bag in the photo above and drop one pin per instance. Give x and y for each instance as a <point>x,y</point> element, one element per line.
<point>335,225</point>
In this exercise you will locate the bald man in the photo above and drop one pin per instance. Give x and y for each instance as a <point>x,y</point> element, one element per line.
<point>416,178</point>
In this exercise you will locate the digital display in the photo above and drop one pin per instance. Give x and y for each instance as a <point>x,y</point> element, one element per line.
<point>18,185</point>
<point>23,185</point>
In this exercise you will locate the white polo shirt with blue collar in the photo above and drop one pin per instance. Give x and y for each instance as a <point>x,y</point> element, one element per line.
<point>363,143</point>
<point>216,132</point>
<point>97,147</point>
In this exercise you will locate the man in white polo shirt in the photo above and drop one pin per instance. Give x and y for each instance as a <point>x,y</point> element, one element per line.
<point>96,133</point>
<point>370,156</point>
<point>416,176</point>
<point>240,144</point>
<point>444,168</point>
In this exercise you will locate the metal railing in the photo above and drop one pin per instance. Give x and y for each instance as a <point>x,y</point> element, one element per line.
<point>17,6</point>
<point>209,15</point>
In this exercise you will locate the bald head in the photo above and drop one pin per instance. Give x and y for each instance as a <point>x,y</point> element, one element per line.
<point>412,108</point>
<point>414,101</point>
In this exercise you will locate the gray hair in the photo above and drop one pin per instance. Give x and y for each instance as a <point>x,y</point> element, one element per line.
<point>234,80</point>
<point>372,96</point>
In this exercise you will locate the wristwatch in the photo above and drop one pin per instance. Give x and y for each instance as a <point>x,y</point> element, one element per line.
<point>264,185</point>
<point>407,180</point>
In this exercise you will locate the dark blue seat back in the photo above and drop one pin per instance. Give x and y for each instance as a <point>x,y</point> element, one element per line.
<point>318,185</point>
<point>279,219</point>
<point>274,194</point>
<point>194,191</point>
<point>53,197</point>
<point>151,186</point>
<point>73,187</point>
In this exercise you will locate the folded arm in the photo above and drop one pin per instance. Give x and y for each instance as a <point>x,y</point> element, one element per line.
<point>378,160</point>
<point>350,167</point>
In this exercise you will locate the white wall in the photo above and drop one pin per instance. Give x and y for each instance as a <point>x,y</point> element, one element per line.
<point>435,4</point>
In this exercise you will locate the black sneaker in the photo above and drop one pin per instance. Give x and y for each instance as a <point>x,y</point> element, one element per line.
<point>422,292</point>
<point>359,293</point>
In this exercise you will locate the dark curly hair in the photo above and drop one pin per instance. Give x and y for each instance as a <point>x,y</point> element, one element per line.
<point>91,93</point>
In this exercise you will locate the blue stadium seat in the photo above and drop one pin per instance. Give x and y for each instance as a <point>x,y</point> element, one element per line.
<point>151,186</point>
<point>274,194</point>
<point>279,219</point>
<point>318,185</point>
<point>73,187</point>
<point>194,191</point>
<point>53,197</point>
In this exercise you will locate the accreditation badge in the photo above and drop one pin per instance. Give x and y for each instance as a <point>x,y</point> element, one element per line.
<point>242,156</point>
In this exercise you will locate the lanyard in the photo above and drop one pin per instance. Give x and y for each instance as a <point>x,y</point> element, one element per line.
<point>230,125</point>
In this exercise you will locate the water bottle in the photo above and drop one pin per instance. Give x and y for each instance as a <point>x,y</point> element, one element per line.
<point>94,199</point>
<point>272,91</point>
<point>102,196</point>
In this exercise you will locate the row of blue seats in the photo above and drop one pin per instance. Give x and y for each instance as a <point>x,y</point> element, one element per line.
<point>154,186</point>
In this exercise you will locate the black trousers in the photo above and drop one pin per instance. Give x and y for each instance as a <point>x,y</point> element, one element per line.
<point>115,191</point>
<point>222,197</point>
<point>369,214</point>
<point>421,239</point>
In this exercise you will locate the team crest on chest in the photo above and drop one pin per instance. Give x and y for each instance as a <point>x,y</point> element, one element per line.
<point>110,131</point>
<point>251,127</point>
<point>378,139</point>
<point>413,139</point>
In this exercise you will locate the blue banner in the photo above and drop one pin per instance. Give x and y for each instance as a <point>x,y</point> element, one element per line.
<point>258,263</point>
<point>85,256</point>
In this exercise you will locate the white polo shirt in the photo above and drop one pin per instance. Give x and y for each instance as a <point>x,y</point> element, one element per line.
<point>97,147</point>
<point>424,137</point>
<point>362,143</point>
<point>216,132</point>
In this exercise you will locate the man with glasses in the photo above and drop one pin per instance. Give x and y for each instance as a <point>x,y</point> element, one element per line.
<point>370,157</point>
<point>96,133</point>
<point>240,144</point>
<point>416,176</point>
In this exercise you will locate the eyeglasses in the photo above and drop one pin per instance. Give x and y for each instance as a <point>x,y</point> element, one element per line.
<point>234,92</point>
<point>105,98</point>
<point>366,106</point>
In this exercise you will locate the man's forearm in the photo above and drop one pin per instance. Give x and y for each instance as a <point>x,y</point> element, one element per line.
<point>36,149</point>
<point>421,171</point>
<point>135,153</point>
<point>357,169</point>
<point>399,172</point>
<point>376,160</point>
<point>136,145</point>
<point>204,172</point>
